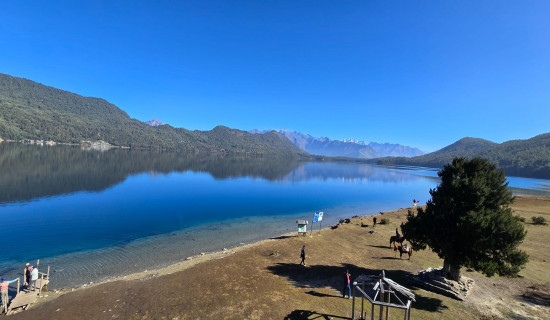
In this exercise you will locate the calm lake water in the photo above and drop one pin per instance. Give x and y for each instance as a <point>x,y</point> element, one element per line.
<point>94,215</point>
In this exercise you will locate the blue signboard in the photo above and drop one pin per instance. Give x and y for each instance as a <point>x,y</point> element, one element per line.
<point>318,216</point>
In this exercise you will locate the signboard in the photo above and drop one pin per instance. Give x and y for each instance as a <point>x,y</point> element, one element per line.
<point>302,226</point>
<point>318,216</point>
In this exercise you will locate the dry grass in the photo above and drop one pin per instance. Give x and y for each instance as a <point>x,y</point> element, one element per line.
<point>265,281</point>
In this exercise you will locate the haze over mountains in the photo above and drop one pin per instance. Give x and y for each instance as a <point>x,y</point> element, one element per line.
<point>347,148</point>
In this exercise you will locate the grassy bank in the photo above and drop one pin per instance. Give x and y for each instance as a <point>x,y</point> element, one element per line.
<point>265,280</point>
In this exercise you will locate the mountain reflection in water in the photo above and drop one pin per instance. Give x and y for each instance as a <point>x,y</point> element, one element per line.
<point>30,171</point>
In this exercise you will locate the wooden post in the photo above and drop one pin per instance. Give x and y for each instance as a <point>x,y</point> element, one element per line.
<point>48,278</point>
<point>18,286</point>
<point>41,280</point>
<point>353,302</point>
<point>381,299</point>
<point>362,300</point>
<point>387,307</point>
<point>37,262</point>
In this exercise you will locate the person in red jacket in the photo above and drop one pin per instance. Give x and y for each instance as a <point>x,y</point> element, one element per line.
<point>347,286</point>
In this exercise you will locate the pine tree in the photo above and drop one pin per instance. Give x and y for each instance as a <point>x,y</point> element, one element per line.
<point>469,222</point>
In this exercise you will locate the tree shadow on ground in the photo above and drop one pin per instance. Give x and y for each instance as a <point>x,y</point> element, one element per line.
<point>281,237</point>
<point>320,294</point>
<point>310,315</point>
<point>326,276</point>
<point>379,247</point>
<point>537,294</point>
<point>387,258</point>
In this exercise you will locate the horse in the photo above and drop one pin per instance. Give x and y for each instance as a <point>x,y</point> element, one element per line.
<point>403,249</point>
<point>396,239</point>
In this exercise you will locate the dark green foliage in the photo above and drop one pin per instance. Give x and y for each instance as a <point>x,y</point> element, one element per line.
<point>538,220</point>
<point>29,110</point>
<point>526,158</point>
<point>468,222</point>
<point>385,221</point>
<point>522,219</point>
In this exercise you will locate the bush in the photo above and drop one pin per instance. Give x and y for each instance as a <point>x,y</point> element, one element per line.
<point>522,219</point>
<point>538,220</point>
<point>385,221</point>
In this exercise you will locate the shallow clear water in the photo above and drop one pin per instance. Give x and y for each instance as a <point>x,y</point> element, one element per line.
<point>92,215</point>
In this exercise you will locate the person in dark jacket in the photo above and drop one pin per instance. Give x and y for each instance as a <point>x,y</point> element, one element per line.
<point>303,255</point>
<point>27,274</point>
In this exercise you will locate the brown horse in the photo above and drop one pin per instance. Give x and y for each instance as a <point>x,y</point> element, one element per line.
<point>401,249</point>
<point>396,239</point>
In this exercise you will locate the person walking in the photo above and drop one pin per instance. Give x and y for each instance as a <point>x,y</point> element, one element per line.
<point>303,255</point>
<point>373,222</point>
<point>34,277</point>
<point>347,286</point>
<point>27,275</point>
<point>4,292</point>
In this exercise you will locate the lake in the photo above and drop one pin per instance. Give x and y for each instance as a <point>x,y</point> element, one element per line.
<point>95,215</point>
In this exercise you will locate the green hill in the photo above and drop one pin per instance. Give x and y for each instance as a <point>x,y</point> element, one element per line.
<point>526,158</point>
<point>29,110</point>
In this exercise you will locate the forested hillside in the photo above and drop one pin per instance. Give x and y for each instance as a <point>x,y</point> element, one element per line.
<point>526,158</point>
<point>29,110</point>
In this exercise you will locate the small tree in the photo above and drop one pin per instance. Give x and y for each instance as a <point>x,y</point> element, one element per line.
<point>468,221</point>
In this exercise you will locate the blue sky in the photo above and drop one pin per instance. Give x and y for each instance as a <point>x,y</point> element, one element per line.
<point>420,73</point>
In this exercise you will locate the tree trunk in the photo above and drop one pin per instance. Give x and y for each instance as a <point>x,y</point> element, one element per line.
<point>446,267</point>
<point>454,274</point>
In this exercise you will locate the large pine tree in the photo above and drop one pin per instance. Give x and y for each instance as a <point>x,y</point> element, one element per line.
<point>469,222</point>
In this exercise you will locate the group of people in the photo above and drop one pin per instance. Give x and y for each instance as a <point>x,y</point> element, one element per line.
<point>31,275</point>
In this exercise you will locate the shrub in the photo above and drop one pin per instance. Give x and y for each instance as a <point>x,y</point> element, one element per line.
<point>538,220</point>
<point>385,221</point>
<point>522,219</point>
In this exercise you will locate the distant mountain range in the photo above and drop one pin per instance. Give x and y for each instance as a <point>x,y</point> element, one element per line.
<point>30,110</point>
<point>155,123</point>
<point>526,158</point>
<point>347,148</point>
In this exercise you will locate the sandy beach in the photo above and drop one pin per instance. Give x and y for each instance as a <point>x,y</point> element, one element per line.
<point>265,281</point>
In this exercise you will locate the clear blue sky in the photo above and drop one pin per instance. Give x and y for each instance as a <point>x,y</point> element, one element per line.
<point>420,73</point>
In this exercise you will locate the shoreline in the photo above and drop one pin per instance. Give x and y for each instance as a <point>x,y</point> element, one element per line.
<point>163,251</point>
<point>276,284</point>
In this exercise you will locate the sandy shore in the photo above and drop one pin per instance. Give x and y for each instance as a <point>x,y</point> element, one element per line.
<point>265,281</point>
